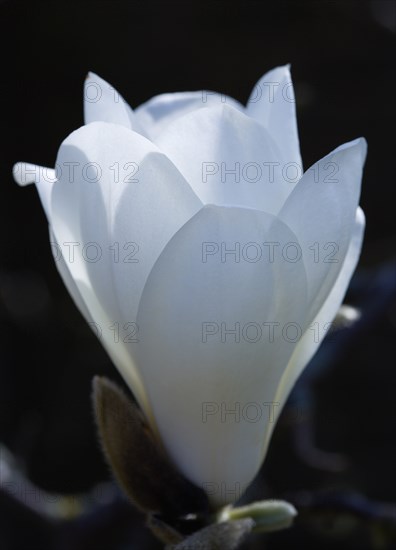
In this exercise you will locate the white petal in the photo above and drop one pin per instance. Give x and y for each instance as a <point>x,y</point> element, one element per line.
<point>316,332</point>
<point>123,191</point>
<point>321,212</point>
<point>190,292</point>
<point>77,282</point>
<point>103,103</point>
<point>67,278</point>
<point>157,113</point>
<point>25,174</point>
<point>225,157</point>
<point>272,103</point>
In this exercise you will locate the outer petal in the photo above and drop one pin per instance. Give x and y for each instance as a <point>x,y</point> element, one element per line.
<point>101,224</point>
<point>103,103</point>
<point>67,278</point>
<point>272,103</point>
<point>44,178</point>
<point>157,113</point>
<point>321,210</point>
<point>228,158</point>
<point>194,370</point>
<point>315,334</point>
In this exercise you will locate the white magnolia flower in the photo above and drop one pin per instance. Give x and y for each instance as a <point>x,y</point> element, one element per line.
<point>209,264</point>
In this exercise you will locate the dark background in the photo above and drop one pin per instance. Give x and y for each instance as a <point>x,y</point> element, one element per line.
<point>342,56</point>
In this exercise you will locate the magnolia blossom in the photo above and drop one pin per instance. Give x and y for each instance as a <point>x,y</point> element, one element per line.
<point>207,261</point>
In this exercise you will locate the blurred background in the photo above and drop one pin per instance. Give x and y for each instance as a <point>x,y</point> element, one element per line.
<point>333,452</point>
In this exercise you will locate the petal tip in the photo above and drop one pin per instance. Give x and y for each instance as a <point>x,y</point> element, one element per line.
<point>358,144</point>
<point>360,216</point>
<point>361,144</point>
<point>20,172</point>
<point>91,75</point>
